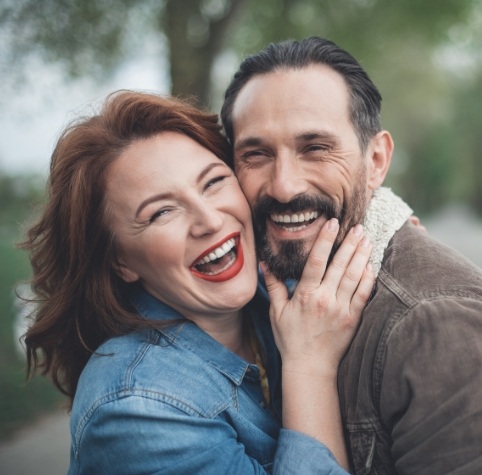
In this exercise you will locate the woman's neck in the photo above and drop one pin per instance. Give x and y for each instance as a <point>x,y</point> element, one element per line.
<point>231,332</point>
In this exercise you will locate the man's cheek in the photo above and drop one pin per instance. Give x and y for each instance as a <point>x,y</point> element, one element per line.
<point>250,196</point>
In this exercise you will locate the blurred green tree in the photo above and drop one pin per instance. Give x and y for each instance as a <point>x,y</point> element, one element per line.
<point>407,47</point>
<point>94,36</point>
<point>468,133</point>
<point>19,404</point>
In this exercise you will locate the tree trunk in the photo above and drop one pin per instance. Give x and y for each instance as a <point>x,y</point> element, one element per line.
<point>194,42</point>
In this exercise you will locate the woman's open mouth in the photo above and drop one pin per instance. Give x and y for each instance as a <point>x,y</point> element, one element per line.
<point>221,262</point>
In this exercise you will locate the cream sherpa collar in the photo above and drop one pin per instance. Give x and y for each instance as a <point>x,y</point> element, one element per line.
<point>385,215</point>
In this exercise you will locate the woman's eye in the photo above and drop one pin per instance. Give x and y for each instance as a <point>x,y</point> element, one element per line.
<point>158,214</point>
<point>214,181</point>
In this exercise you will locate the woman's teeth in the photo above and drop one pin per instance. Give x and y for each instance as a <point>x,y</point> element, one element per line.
<point>218,252</point>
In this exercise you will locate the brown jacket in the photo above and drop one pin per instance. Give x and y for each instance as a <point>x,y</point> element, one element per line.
<point>411,382</point>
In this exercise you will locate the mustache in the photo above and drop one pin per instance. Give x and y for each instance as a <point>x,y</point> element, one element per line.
<point>268,205</point>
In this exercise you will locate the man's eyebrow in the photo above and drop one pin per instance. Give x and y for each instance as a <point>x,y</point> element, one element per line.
<point>163,196</point>
<point>248,142</point>
<point>303,137</point>
<point>315,135</point>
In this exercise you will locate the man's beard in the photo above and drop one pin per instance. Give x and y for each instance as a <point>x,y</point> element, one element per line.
<point>288,261</point>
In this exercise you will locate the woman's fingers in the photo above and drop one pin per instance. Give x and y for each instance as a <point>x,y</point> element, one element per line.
<point>341,261</point>
<point>317,324</point>
<point>318,258</point>
<point>354,271</point>
<point>347,266</point>
<point>278,293</point>
<point>363,291</point>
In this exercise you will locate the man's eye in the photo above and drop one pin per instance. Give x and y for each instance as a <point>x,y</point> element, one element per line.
<point>317,148</point>
<point>252,154</point>
<point>253,158</point>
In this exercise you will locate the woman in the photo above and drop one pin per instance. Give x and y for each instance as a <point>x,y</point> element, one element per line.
<point>145,272</point>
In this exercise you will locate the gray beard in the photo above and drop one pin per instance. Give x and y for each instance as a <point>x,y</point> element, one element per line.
<point>289,260</point>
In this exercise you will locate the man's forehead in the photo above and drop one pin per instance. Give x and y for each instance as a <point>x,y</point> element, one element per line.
<point>280,80</point>
<point>285,98</point>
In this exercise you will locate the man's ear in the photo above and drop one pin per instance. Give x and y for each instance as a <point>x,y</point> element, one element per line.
<point>125,272</point>
<point>379,156</point>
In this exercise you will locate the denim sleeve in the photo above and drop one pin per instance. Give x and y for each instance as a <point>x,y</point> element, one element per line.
<point>300,454</point>
<point>139,435</point>
<point>432,388</point>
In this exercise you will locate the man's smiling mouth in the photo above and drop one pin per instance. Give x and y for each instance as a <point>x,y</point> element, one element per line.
<point>294,221</point>
<point>221,262</point>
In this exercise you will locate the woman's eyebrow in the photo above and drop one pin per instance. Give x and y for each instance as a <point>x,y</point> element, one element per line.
<point>152,199</point>
<point>207,169</point>
<point>163,196</point>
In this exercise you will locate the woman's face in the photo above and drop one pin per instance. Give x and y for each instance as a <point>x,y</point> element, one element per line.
<point>182,225</point>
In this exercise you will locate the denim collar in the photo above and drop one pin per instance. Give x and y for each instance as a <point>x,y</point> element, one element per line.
<point>188,335</point>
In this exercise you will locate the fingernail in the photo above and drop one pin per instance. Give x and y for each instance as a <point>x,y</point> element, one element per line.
<point>333,224</point>
<point>365,242</point>
<point>358,230</point>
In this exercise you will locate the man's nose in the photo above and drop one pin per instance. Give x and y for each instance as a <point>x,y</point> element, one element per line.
<point>287,180</point>
<point>207,219</point>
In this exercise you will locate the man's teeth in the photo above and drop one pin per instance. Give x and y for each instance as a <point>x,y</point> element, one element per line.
<point>218,252</point>
<point>295,217</point>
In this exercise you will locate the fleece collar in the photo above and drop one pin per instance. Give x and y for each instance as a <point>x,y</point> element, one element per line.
<point>385,215</point>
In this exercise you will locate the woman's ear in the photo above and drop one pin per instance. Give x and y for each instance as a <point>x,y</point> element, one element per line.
<point>125,272</point>
<point>379,157</point>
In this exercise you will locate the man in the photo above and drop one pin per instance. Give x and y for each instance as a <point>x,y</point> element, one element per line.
<point>303,119</point>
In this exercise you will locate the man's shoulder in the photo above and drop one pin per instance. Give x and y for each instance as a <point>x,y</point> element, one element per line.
<point>423,267</point>
<point>414,361</point>
<point>420,279</point>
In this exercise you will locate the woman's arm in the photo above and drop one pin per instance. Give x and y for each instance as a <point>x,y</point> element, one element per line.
<point>313,330</point>
<point>141,434</point>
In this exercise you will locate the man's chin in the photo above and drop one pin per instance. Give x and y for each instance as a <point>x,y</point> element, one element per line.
<point>287,260</point>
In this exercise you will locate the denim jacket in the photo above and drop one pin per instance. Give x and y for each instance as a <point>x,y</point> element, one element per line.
<point>411,382</point>
<point>175,401</point>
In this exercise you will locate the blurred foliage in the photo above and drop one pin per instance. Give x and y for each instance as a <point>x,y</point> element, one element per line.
<point>93,36</point>
<point>19,401</point>
<point>19,196</point>
<point>426,58</point>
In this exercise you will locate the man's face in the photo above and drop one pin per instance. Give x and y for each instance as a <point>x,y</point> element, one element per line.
<point>298,160</point>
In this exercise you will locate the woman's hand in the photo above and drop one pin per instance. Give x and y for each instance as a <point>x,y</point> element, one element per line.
<point>314,328</point>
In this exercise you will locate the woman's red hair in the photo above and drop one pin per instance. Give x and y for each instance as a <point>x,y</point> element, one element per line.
<point>80,299</point>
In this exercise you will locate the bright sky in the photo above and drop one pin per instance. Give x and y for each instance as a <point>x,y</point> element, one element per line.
<point>32,118</point>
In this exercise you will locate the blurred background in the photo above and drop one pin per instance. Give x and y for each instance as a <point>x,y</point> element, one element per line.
<point>59,58</point>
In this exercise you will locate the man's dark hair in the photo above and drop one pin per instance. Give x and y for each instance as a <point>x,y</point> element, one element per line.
<point>365,99</point>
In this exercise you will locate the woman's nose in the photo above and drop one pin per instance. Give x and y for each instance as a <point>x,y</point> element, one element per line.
<point>207,219</point>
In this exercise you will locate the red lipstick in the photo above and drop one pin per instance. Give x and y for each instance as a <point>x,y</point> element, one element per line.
<point>231,271</point>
